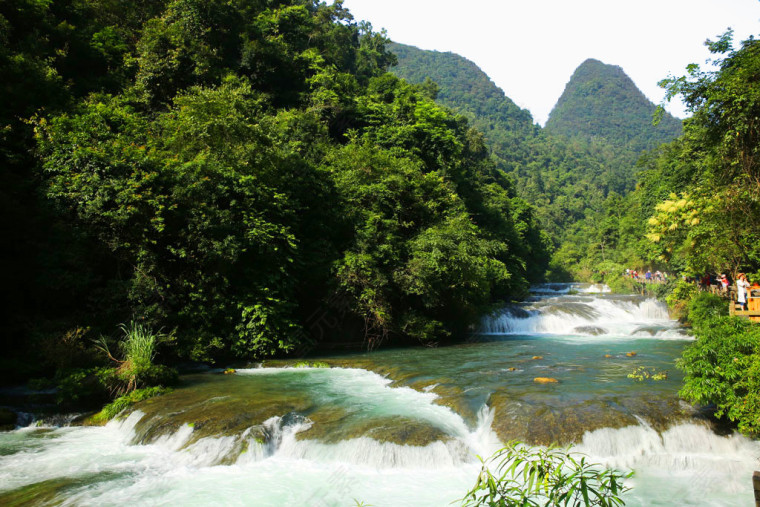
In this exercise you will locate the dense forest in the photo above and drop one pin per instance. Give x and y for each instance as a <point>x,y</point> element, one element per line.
<point>245,176</point>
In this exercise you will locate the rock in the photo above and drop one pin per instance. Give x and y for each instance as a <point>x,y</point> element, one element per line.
<point>7,419</point>
<point>332,428</point>
<point>546,380</point>
<point>560,422</point>
<point>592,330</point>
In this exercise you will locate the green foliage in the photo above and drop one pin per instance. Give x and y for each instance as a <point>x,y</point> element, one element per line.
<point>85,387</point>
<point>311,364</point>
<point>704,306</point>
<point>230,170</point>
<point>122,403</point>
<point>707,183</point>
<point>722,367</point>
<point>682,293</point>
<point>138,346</point>
<point>545,476</point>
<point>641,373</point>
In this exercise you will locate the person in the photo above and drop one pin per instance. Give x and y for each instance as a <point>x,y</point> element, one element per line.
<point>741,290</point>
<point>724,282</point>
<point>648,276</point>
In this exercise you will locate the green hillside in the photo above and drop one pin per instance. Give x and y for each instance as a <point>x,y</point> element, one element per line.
<point>601,103</point>
<point>466,89</point>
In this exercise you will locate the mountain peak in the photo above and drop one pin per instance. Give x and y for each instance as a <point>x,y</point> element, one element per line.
<point>601,102</point>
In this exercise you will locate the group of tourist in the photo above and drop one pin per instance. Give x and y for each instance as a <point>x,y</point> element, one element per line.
<point>648,276</point>
<point>723,282</point>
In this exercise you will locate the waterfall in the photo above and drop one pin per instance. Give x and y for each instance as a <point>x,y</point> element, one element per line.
<point>411,436</point>
<point>587,315</point>
<point>688,464</point>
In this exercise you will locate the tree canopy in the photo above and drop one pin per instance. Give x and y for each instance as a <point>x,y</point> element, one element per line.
<point>247,174</point>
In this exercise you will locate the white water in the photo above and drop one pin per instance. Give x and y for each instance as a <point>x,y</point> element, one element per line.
<point>589,316</point>
<point>283,471</point>
<point>685,465</point>
<point>566,288</point>
<point>370,393</point>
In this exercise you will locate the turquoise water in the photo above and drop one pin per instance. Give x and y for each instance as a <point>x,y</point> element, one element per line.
<point>404,427</point>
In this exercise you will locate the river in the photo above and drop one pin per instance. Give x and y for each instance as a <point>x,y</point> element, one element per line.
<point>405,427</point>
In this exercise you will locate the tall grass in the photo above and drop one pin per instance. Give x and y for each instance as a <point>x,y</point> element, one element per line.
<point>138,346</point>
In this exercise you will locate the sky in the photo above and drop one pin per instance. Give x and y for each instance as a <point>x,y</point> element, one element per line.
<point>530,48</point>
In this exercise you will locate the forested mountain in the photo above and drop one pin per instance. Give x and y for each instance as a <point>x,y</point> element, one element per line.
<point>601,103</point>
<point>567,177</point>
<point>466,89</point>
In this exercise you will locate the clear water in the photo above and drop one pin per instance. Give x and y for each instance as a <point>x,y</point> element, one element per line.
<point>403,427</point>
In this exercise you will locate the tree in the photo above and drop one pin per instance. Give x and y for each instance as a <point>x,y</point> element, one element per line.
<point>720,154</point>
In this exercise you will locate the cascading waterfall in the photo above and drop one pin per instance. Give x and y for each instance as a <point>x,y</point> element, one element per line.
<point>122,470</point>
<point>688,464</point>
<point>348,434</point>
<point>585,316</point>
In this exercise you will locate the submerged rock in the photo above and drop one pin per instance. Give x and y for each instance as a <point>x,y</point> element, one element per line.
<point>215,406</point>
<point>558,421</point>
<point>546,380</point>
<point>398,430</point>
<point>592,330</point>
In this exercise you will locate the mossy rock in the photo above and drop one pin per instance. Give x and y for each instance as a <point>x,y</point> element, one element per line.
<point>216,406</point>
<point>331,427</point>
<point>541,424</point>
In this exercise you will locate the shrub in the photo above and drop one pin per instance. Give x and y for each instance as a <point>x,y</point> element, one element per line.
<point>704,306</point>
<point>682,293</point>
<point>79,387</point>
<point>529,476</point>
<point>722,367</point>
<point>620,283</point>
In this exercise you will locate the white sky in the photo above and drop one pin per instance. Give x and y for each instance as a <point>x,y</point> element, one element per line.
<point>530,48</point>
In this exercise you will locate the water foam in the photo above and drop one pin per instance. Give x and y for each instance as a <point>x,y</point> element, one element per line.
<point>688,464</point>
<point>242,469</point>
<point>587,316</point>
